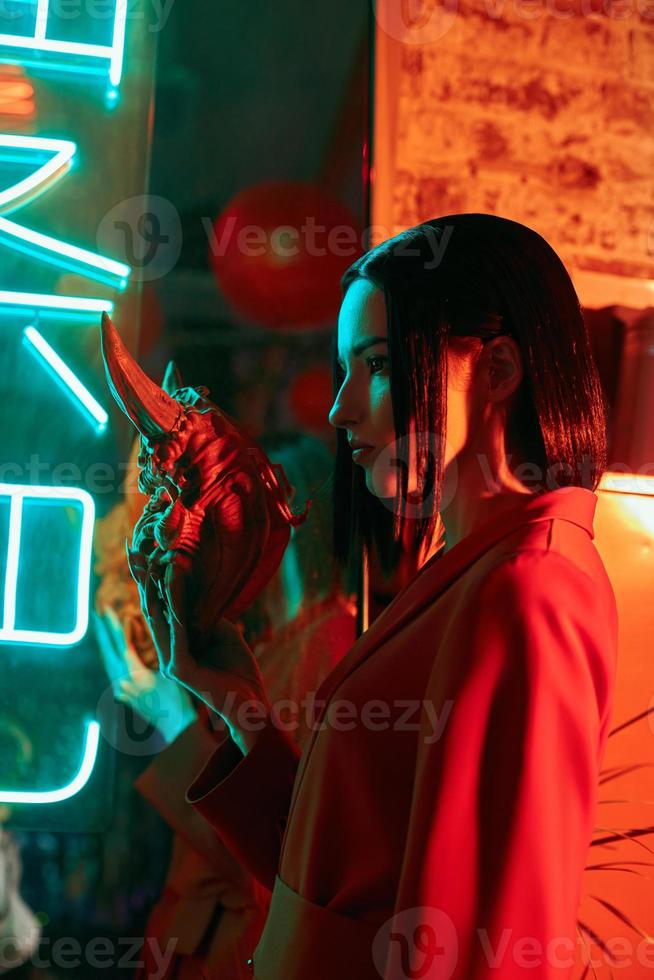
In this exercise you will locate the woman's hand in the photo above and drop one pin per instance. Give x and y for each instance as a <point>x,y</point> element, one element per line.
<point>159,700</point>
<point>224,673</point>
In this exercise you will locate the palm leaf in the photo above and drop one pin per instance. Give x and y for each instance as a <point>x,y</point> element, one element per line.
<point>631,721</point>
<point>623,918</point>
<point>606,775</point>
<point>621,866</point>
<point>610,864</point>
<point>596,939</point>
<point>589,966</point>
<point>631,871</point>
<point>629,834</point>
<point>644,802</point>
<point>616,836</point>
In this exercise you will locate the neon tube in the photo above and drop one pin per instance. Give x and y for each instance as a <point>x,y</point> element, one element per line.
<point>53,169</point>
<point>64,373</point>
<point>17,494</point>
<point>113,53</point>
<point>73,252</point>
<point>118,47</point>
<point>79,781</point>
<point>48,301</point>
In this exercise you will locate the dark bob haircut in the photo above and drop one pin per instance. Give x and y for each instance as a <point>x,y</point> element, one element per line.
<point>454,282</point>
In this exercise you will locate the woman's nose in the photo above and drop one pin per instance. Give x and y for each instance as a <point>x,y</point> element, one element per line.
<point>342,414</point>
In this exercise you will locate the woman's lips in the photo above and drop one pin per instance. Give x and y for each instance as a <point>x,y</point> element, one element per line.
<point>358,455</point>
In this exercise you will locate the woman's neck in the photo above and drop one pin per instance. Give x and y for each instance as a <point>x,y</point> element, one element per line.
<point>475,505</point>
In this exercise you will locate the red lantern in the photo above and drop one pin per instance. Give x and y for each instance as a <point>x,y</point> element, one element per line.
<point>310,398</point>
<point>279,250</point>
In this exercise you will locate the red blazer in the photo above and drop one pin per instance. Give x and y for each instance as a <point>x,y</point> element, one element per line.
<point>211,911</point>
<point>438,822</point>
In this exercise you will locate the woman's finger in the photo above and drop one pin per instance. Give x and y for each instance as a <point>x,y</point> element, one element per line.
<point>158,621</point>
<point>116,631</point>
<point>136,564</point>
<point>133,662</point>
<point>153,602</point>
<point>174,591</point>
<point>138,571</point>
<point>111,658</point>
<point>106,648</point>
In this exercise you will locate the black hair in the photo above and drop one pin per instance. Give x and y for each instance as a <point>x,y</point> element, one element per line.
<point>446,282</point>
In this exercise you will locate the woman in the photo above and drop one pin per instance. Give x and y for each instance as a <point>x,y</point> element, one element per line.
<point>437,823</point>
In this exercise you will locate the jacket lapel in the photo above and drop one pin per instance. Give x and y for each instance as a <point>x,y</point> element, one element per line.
<point>574,504</point>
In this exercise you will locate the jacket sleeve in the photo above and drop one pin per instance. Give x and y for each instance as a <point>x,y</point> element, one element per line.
<point>504,800</point>
<point>247,798</point>
<point>163,784</point>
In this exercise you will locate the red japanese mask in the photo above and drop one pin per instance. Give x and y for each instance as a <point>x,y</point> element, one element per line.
<point>217,506</point>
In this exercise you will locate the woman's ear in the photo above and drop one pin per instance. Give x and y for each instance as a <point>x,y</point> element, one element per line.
<point>503,363</point>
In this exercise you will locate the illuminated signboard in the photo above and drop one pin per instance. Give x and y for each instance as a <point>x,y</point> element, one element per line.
<point>62,172</point>
<point>27,574</point>
<point>89,43</point>
<point>49,160</point>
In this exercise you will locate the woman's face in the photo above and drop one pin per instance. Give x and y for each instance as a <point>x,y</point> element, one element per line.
<point>363,405</point>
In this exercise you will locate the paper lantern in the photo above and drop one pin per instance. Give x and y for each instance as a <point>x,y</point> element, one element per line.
<point>279,250</point>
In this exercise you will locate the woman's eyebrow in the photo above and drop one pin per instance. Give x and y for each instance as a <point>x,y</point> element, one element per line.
<point>364,345</point>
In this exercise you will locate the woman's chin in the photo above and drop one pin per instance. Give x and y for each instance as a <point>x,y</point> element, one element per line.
<point>384,490</point>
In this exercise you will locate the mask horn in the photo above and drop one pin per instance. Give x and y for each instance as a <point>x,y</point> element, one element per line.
<point>153,412</point>
<point>172,379</point>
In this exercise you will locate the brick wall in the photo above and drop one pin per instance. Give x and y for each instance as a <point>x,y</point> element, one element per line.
<point>526,108</point>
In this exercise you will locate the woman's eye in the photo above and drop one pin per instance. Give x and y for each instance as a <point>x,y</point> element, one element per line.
<point>377,360</point>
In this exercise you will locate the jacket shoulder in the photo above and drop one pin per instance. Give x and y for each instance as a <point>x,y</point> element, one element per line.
<point>539,575</point>
<point>562,538</point>
<point>555,604</point>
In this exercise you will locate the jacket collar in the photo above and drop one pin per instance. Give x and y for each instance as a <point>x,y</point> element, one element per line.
<point>574,504</point>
